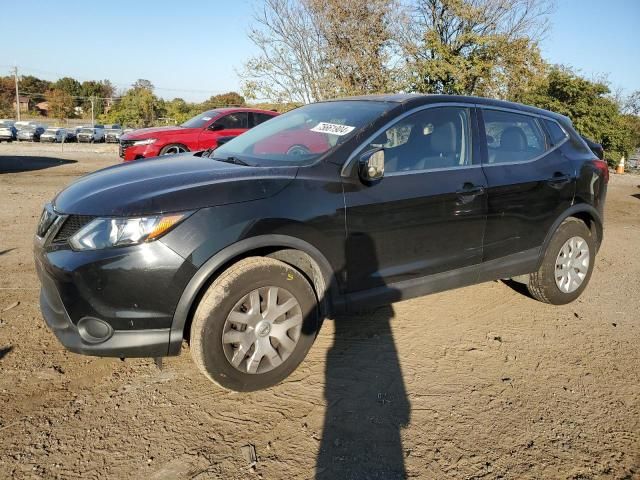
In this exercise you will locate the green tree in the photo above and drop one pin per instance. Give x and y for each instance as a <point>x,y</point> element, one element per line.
<point>587,103</point>
<point>61,104</point>
<point>68,85</point>
<point>34,87</point>
<point>138,107</point>
<point>229,99</point>
<point>474,47</point>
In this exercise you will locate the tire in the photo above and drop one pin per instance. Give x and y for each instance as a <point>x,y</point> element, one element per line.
<point>168,149</point>
<point>227,294</point>
<point>543,285</point>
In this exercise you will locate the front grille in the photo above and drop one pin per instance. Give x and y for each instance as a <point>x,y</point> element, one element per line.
<point>124,144</point>
<point>70,226</point>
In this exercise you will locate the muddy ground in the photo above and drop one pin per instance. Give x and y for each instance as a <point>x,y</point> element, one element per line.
<point>480,382</point>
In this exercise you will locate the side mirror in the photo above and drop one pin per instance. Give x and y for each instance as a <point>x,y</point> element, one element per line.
<point>216,127</point>
<point>372,165</point>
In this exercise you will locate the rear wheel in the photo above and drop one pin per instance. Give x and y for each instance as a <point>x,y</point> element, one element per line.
<point>567,265</point>
<point>254,325</point>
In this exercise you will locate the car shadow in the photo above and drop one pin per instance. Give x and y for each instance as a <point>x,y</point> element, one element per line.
<point>4,351</point>
<point>367,402</point>
<point>17,164</point>
<point>518,287</point>
<point>636,195</point>
<point>3,252</point>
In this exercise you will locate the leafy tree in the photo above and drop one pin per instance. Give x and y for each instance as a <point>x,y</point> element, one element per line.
<point>142,84</point>
<point>61,104</point>
<point>474,47</point>
<point>139,107</point>
<point>587,103</point>
<point>224,100</point>
<point>68,85</point>
<point>34,87</point>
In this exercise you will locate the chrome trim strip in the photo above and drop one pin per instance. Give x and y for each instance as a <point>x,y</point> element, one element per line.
<point>524,162</point>
<point>427,170</point>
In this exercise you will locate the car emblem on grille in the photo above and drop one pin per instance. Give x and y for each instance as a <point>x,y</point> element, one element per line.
<point>46,219</point>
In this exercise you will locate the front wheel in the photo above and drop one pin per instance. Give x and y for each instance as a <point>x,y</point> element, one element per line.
<point>567,265</point>
<point>173,149</point>
<point>254,325</point>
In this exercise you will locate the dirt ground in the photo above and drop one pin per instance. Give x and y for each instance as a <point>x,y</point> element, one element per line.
<point>480,382</point>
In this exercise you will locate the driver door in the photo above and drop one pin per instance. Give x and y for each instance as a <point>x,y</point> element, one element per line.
<point>229,125</point>
<point>427,214</point>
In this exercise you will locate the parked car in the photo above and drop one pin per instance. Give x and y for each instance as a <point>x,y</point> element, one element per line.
<point>30,133</point>
<point>8,131</point>
<point>113,133</point>
<point>90,135</point>
<point>243,252</point>
<point>54,134</point>
<point>71,134</point>
<point>199,133</point>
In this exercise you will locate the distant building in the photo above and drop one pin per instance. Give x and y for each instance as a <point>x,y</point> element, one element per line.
<point>25,103</point>
<point>43,108</point>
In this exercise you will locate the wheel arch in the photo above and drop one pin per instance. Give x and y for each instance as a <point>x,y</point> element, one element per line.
<point>293,251</point>
<point>582,211</point>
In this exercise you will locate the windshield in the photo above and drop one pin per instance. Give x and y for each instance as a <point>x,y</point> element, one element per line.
<point>302,135</point>
<point>51,130</point>
<point>200,121</point>
<point>86,130</point>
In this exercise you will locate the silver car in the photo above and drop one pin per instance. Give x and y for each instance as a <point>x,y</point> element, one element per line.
<point>91,135</point>
<point>54,134</point>
<point>8,132</point>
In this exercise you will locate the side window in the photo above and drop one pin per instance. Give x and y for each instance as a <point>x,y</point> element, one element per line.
<point>557,134</point>
<point>234,120</point>
<point>512,137</point>
<point>432,138</point>
<point>259,118</point>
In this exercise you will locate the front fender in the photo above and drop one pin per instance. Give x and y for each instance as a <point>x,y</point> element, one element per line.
<point>214,265</point>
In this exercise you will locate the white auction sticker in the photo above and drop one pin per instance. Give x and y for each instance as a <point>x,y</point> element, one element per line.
<point>332,128</point>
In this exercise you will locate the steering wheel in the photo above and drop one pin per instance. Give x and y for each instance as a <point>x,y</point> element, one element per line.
<point>298,150</point>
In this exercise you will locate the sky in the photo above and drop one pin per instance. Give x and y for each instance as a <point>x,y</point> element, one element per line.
<point>194,48</point>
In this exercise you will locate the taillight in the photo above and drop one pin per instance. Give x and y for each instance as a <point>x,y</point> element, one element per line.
<point>603,167</point>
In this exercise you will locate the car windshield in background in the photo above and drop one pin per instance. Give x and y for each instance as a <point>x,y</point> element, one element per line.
<point>86,130</point>
<point>200,121</point>
<point>302,135</point>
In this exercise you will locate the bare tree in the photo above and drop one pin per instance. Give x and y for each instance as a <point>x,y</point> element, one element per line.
<point>290,63</point>
<point>315,49</point>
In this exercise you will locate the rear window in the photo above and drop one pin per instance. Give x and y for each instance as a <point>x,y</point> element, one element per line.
<point>558,135</point>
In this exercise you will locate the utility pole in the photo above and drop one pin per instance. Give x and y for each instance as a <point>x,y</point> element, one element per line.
<point>15,74</point>
<point>93,121</point>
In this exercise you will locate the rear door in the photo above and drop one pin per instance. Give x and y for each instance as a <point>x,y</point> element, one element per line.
<point>427,214</point>
<point>530,181</point>
<point>229,125</point>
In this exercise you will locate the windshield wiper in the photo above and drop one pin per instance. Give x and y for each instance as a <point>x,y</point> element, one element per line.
<point>234,160</point>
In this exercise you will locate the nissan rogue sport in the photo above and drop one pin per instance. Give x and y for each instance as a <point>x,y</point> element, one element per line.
<point>338,205</point>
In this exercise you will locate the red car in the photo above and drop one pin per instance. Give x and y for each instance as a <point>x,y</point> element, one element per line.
<point>201,132</point>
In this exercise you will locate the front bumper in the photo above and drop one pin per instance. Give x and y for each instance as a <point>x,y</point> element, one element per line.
<point>128,293</point>
<point>134,152</point>
<point>83,139</point>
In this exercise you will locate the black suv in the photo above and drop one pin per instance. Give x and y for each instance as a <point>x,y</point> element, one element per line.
<point>334,206</point>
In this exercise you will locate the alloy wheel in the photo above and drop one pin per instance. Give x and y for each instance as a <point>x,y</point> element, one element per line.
<point>572,264</point>
<point>262,330</point>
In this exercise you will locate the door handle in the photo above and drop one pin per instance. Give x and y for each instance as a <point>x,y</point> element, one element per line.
<point>468,189</point>
<point>559,179</point>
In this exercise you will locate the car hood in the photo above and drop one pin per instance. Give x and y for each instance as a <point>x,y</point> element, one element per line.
<point>150,132</point>
<point>169,184</point>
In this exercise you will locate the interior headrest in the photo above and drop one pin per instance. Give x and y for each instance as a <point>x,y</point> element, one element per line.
<point>514,139</point>
<point>443,138</point>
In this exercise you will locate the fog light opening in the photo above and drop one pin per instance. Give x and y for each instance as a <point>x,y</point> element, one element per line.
<point>93,330</point>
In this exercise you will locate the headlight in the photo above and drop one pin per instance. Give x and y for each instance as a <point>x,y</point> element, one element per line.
<point>118,232</point>
<point>146,141</point>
